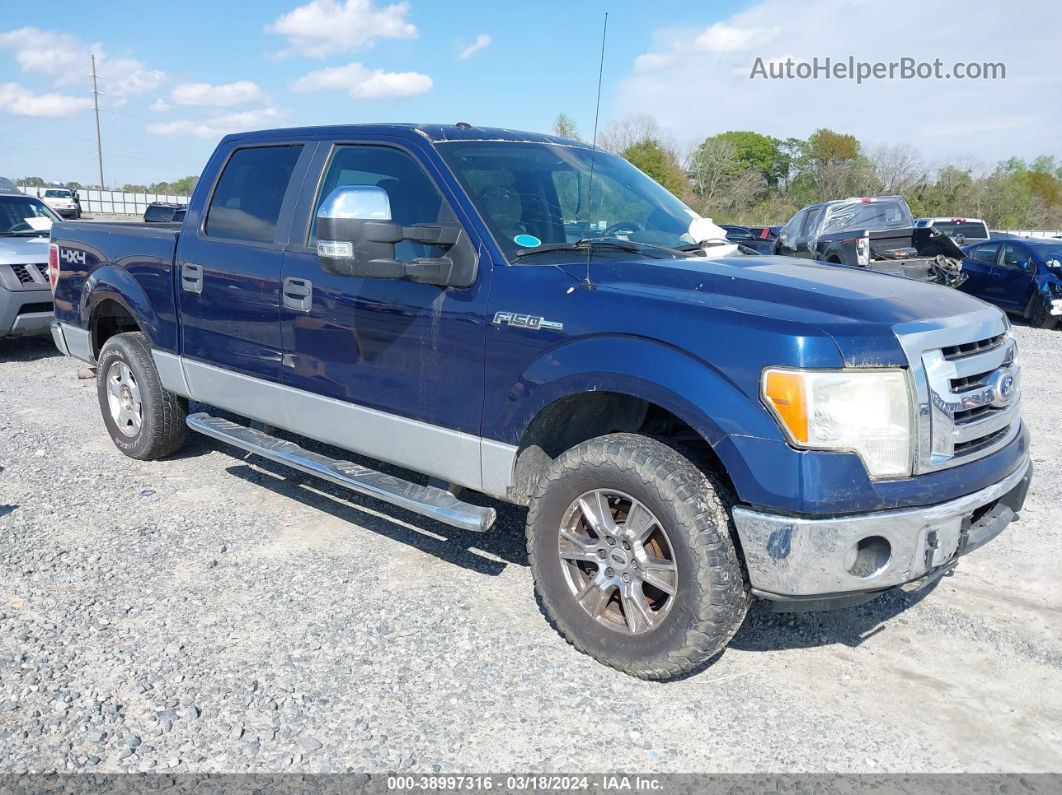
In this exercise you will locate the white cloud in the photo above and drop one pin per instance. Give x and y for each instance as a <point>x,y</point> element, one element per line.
<point>160,105</point>
<point>727,38</point>
<point>66,59</point>
<point>696,80</point>
<point>482,42</point>
<point>325,27</point>
<point>363,83</point>
<point>223,95</point>
<point>16,99</point>
<point>219,125</point>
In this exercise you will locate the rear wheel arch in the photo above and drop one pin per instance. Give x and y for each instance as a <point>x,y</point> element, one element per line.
<point>110,315</point>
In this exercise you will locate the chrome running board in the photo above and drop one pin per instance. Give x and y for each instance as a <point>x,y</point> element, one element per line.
<point>429,501</point>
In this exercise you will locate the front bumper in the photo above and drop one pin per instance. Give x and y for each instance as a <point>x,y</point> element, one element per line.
<point>793,558</point>
<point>19,313</point>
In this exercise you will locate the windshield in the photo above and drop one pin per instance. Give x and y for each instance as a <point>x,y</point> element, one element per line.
<point>15,211</point>
<point>873,216</point>
<point>536,194</point>
<point>964,228</point>
<point>57,194</point>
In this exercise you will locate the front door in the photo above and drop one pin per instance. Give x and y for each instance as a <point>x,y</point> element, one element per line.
<point>393,368</point>
<point>1016,270</point>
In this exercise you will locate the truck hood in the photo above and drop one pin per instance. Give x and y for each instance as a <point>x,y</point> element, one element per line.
<point>23,250</point>
<point>858,308</point>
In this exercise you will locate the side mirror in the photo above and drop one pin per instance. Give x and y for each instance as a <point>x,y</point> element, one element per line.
<point>356,237</point>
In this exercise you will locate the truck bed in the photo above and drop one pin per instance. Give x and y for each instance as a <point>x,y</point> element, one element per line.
<point>144,255</point>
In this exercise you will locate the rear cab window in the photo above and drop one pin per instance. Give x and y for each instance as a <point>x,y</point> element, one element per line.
<point>249,194</point>
<point>974,229</point>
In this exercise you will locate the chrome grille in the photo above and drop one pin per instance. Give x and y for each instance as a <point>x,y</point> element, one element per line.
<point>968,385</point>
<point>970,348</point>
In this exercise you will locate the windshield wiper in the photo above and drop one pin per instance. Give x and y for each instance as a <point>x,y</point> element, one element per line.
<point>25,233</point>
<point>590,243</point>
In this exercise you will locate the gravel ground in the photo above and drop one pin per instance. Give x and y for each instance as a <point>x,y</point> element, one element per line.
<point>214,613</point>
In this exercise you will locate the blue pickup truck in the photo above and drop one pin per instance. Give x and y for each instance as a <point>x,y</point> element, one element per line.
<point>522,316</point>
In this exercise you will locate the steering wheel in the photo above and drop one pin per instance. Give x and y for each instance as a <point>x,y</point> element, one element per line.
<point>628,226</point>
<point>19,227</point>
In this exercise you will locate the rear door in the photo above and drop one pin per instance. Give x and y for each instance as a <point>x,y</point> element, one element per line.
<point>229,258</point>
<point>978,267</point>
<point>1015,274</point>
<point>388,367</point>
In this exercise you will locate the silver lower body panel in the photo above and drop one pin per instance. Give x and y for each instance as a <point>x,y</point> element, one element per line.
<point>791,557</point>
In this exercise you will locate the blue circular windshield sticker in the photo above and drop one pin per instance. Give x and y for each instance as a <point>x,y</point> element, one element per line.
<point>527,241</point>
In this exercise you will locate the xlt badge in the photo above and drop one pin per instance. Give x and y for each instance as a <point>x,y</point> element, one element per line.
<point>533,322</point>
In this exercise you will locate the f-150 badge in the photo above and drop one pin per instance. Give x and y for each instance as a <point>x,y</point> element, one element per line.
<point>533,322</point>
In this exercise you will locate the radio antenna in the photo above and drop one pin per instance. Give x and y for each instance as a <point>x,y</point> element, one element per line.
<point>587,284</point>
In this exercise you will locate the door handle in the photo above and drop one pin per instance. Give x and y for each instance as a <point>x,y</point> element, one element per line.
<point>192,277</point>
<point>298,294</point>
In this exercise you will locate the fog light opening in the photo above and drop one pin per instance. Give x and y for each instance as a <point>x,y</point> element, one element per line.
<point>869,557</point>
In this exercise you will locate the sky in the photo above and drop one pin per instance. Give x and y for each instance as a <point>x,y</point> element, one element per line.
<point>175,77</point>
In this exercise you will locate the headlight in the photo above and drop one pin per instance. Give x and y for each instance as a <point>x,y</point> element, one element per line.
<point>867,412</point>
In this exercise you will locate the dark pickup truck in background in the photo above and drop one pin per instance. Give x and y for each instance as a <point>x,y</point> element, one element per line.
<point>874,232</point>
<point>686,432</point>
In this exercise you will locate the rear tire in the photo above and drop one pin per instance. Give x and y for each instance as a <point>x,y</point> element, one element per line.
<point>1038,313</point>
<point>636,482</point>
<point>144,420</point>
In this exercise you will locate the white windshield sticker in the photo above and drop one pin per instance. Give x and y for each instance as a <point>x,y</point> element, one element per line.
<point>39,223</point>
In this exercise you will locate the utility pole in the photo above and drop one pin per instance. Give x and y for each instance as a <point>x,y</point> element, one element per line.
<point>96,104</point>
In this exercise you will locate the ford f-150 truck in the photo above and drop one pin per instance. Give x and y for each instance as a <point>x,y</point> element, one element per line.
<point>687,432</point>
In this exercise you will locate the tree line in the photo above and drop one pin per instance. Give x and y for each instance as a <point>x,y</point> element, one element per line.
<point>746,177</point>
<point>180,187</point>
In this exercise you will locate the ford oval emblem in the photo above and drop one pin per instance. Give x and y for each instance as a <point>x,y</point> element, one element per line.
<point>1003,387</point>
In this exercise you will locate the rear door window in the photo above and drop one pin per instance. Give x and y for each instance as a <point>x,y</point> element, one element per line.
<point>248,197</point>
<point>987,253</point>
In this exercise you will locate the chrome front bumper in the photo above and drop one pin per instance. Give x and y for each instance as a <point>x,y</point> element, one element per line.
<point>793,558</point>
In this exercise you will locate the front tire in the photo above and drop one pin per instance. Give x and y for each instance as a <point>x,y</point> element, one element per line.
<point>1039,314</point>
<point>632,556</point>
<point>144,420</point>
